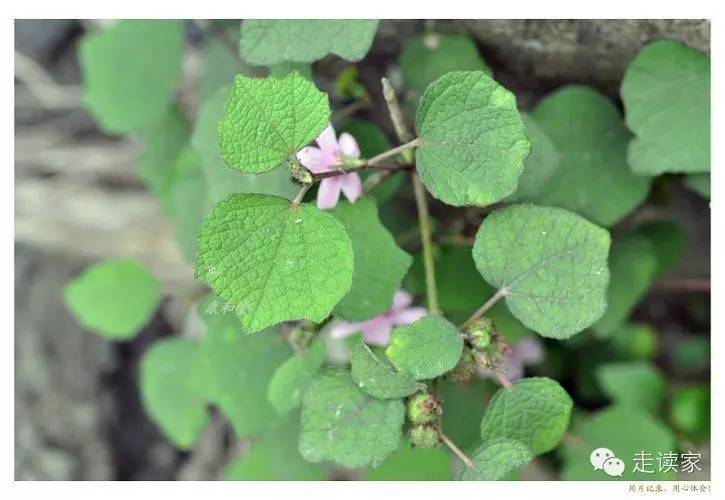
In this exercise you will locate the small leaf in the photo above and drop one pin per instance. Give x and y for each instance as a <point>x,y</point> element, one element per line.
<point>222,180</point>
<point>666,95</point>
<point>668,241</point>
<point>275,457</point>
<point>633,264</point>
<point>427,348</point>
<point>699,183</point>
<point>131,71</point>
<point>235,370</point>
<point>343,424</point>
<point>473,141</point>
<point>167,392</point>
<point>625,431</point>
<point>535,411</point>
<point>378,378</point>
<point>540,165</point>
<point>409,463</point>
<point>593,178</point>
<point>274,261</point>
<point>635,383</point>
<point>115,298</point>
<point>496,458</point>
<point>268,120</point>
<point>380,264</point>
<point>427,57</point>
<point>268,41</point>
<point>549,264</point>
<point>293,377</point>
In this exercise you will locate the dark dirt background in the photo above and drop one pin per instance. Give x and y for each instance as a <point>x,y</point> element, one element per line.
<point>77,201</point>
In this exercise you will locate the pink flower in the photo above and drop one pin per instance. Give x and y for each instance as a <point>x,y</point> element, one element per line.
<point>527,351</point>
<point>377,330</point>
<point>327,158</point>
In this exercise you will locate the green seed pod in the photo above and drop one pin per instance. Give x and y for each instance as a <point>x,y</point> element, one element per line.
<point>424,436</point>
<point>465,369</point>
<point>423,409</point>
<point>481,333</point>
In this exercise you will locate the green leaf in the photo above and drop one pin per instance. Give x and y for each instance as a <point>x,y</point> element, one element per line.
<point>292,379</point>
<point>535,411</point>
<point>666,94</point>
<point>593,178</point>
<point>625,431</point>
<point>690,412</point>
<point>222,180</point>
<point>496,458</point>
<point>163,142</point>
<point>427,348</point>
<point>633,264</point>
<point>115,298</point>
<point>377,377</point>
<point>285,68</point>
<point>343,424</point>
<point>267,41</point>
<point>549,264</point>
<point>635,383</point>
<point>375,250</point>
<point>427,57</point>
<point>668,241</point>
<point>268,120</point>
<point>414,464</point>
<point>168,394</point>
<point>275,457</point>
<point>235,370</point>
<point>699,183</point>
<point>188,200</point>
<point>131,71</point>
<point>541,164</point>
<point>473,141</point>
<point>274,261</point>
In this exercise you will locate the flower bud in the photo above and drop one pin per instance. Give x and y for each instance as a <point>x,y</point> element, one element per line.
<point>423,409</point>
<point>481,333</point>
<point>424,436</point>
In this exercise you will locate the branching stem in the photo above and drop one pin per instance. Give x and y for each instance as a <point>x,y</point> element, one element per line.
<point>359,168</point>
<point>485,307</point>
<point>301,194</point>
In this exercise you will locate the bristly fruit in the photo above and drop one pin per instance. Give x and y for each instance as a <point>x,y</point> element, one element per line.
<point>424,436</point>
<point>481,333</point>
<point>423,409</point>
<point>465,369</point>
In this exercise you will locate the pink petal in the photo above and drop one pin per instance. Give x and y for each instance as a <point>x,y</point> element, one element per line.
<point>341,329</point>
<point>348,145</point>
<point>327,140</point>
<point>312,158</point>
<point>377,332</point>
<point>407,316</point>
<point>529,351</point>
<point>351,186</point>
<point>402,299</point>
<point>329,193</point>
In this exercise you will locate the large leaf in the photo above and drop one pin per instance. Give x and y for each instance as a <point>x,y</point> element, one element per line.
<point>473,141</point>
<point>269,41</point>
<point>496,458</point>
<point>274,261</point>
<point>633,264</point>
<point>593,178</point>
<point>235,370</point>
<point>427,348</point>
<point>220,179</point>
<point>345,425</point>
<point>168,393</point>
<point>293,377</point>
<point>131,71</point>
<point>535,411</point>
<point>268,120</point>
<point>377,377</point>
<point>114,298</point>
<point>666,94</point>
<point>635,383</point>
<point>379,263</point>
<point>548,263</point>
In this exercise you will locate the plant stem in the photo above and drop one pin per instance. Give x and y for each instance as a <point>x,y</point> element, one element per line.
<point>301,194</point>
<point>456,450</point>
<point>425,236</point>
<point>359,168</point>
<point>505,382</point>
<point>485,307</point>
<point>392,152</point>
<point>396,114</point>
